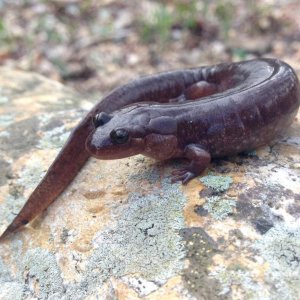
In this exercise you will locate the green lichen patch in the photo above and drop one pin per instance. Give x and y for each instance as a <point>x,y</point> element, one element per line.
<point>22,137</point>
<point>4,272</point>
<point>54,138</point>
<point>219,207</point>
<point>3,99</point>
<point>218,184</point>
<point>54,129</point>
<point>6,120</point>
<point>200,248</point>
<point>4,134</point>
<point>150,174</point>
<point>68,101</point>
<point>29,177</point>
<point>10,289</point>
<point>38,277</point>
<point>5,168</point>
<point>42,275</point>
<point>145,240</point>
<point>10,208</point>
<point>31,174</point>
<point>241,279</point>
<point>280,247</point>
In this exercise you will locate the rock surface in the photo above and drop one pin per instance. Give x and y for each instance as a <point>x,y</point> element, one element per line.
<point>122,231</point>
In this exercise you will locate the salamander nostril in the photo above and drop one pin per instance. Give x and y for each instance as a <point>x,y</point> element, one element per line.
<point>101,119</point>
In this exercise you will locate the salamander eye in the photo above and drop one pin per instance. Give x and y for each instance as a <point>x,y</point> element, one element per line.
<point>101,119</point>
<point>119,136</point>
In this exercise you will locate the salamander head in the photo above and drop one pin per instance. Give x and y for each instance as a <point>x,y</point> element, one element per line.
<point>117,136</point>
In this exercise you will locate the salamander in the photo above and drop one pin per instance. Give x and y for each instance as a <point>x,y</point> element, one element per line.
<point>197,114</point>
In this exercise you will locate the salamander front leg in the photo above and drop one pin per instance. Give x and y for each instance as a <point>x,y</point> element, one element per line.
<point>199,158</point>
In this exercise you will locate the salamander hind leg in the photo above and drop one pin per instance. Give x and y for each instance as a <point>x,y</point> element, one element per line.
<point>200,89</point>
<point>199,160</point>
<point>196,91</point>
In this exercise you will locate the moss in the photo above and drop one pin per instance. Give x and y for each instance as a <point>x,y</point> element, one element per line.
<point>218,183</point>
<point>219,207</point>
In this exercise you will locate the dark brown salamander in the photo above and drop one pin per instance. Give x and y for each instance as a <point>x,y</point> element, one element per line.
<point>195,113</point>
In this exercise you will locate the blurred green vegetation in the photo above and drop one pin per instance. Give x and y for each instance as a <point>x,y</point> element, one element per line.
<point>158,27</point>
<point>5,38</point>
<point>225,13</point>
<point>74,40</point>
<point>188,14</point>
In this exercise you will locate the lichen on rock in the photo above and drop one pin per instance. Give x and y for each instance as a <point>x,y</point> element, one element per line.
<point>42,274</point>
<point>217,183</point>
<point>10,289</point>
<point>145,240</point>
<point>280,247</point>
<point>219,207</point>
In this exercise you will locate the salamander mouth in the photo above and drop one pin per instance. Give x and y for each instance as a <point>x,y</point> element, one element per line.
<point>94,149</point>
